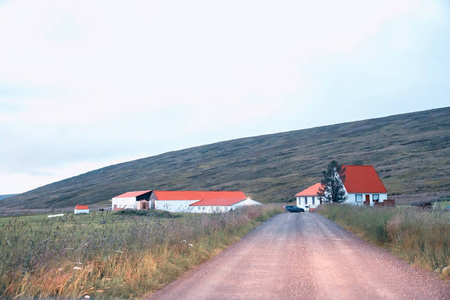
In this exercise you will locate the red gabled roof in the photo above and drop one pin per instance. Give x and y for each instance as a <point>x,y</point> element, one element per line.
<point>311,191</point>
<point>132,194</point>
<point>363,179</point>
<point>82,207</point>
<point>206,198</point>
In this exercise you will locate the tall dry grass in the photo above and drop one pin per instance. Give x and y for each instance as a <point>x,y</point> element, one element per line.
<point>112,255</point>
<point>422,237</point>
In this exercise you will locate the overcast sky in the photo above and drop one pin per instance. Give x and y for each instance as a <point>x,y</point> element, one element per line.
<point>85,84</point>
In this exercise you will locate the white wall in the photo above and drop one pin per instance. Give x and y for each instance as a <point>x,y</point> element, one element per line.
<point>352,198</point>
<point>125,203</point>
<point>245,202</point>
<point>306,202</point>
<point>184,206</point>
<point>210,209</point>
<point>81,211</point>
<point>176,205</point>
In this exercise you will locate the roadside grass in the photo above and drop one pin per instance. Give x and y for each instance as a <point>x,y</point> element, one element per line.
<point>112,254</point>
<point>421,237</point>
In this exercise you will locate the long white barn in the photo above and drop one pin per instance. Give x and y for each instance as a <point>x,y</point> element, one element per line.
<point>199,201</point>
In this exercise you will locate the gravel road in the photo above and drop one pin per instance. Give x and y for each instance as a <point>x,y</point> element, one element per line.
<point>305,256</point>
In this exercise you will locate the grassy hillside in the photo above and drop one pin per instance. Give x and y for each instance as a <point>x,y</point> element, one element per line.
<point>410,152</point>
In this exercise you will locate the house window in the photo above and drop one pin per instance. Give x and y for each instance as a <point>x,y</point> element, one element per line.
<point>306,200</point>
<point>313,200</point>
<point>376,197</point>
<point>358,197</point>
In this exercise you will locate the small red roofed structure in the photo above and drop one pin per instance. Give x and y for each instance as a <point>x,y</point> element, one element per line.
<point>81,209</point>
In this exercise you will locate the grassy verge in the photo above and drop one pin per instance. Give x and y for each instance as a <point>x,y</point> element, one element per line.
<point>421,237</point>
<point>112,255</point>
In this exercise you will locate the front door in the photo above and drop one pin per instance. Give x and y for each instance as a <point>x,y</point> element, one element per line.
<point>367,202</point>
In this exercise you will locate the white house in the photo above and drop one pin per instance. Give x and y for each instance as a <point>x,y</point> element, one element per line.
<point>81,209</point>
<point>307,199</point>
<point>363,186</point>
<point>138,200</point>
<point>199,201</point>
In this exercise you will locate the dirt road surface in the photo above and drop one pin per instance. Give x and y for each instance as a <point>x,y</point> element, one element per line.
<point>305,256</point>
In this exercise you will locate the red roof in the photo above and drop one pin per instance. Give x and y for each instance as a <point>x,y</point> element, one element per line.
<point>363,179</point>
<point>207,198</point>
<point>311,191</point>
<point>132,194</point>
<point>82,207</point>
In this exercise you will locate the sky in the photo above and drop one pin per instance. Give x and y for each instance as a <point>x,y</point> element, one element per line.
<point>87,84</point>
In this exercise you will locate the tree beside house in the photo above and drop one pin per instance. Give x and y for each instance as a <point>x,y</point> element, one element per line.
<point>332,188</point>
<point>350,184</point>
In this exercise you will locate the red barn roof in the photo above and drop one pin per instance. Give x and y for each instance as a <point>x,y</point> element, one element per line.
<point>82,207</point>
<point>132,194</point>
<point>311,191</point>
<point>207,198</point>
<point>363,179</point>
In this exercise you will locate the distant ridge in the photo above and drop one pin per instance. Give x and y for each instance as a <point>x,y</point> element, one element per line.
<point>2,197</point>
<point>410,153</point>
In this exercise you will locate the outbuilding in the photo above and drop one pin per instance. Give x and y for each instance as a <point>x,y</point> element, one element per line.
<point>81,209</point>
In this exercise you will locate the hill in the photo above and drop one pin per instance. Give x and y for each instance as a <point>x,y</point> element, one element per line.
<point>7,196</point>
<point>410,152</point>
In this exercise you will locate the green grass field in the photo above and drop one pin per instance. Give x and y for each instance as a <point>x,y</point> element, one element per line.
<point>112,254</point>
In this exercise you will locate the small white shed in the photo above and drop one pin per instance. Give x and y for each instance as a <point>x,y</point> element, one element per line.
<point>81,209</point>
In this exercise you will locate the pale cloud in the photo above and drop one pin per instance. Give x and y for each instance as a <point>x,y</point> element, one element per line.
<point>81,80</point>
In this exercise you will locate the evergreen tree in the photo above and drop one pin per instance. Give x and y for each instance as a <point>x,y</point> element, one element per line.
<point>332,189</point>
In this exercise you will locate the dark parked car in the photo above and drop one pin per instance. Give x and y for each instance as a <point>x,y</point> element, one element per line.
<point>293,208</point>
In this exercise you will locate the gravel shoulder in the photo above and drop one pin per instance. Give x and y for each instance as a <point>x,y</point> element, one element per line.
<point>305,256</point>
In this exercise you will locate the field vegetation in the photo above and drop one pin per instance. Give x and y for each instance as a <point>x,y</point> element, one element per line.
<point>112,254</point>
<point>420,236</point>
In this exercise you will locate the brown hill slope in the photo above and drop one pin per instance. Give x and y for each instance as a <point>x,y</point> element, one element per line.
<point>410,152</point>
